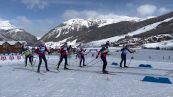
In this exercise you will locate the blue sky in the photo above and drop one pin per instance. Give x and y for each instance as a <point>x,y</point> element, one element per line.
<point>39,16</point>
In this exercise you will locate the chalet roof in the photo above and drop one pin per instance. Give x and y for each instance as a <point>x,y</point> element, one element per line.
<point>12,42</point>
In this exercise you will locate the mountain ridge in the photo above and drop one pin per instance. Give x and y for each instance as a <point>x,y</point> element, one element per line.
<point>9,32</point>
<point>95,34</point>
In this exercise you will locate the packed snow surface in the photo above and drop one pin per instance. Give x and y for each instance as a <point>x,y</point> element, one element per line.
<point>161,45</point>
<point>18,81</point>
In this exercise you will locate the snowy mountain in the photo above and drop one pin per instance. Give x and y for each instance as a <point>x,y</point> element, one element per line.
<point>74,28</point>
<point>147,30</point>
<point>97,31</point>
<point>4,38</point>
<point>9,32</point>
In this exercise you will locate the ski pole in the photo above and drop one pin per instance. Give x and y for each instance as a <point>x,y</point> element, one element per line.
<point>87,56</point>
<point>69,59</point>
<point>95,63</point>
<point>91,61</point>
<point>34,60</point>
<point>131,59</point>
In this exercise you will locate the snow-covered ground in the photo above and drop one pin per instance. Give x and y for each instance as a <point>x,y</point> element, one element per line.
<point>162,45</point>
<point>58,44</point>
<point>18,81</point>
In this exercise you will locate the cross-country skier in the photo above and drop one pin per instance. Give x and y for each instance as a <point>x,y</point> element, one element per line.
<point>103,53</point>
<point>63,55</point>
<point>41,53</point>
<point>124,51</point>
<point>28,55</point>
<point>81,55</point>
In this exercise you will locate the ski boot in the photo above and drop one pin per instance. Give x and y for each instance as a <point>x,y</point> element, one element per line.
<point>126,66</point>
<point>65,68</point>
<point>47,70</point>
<point>105,72</point>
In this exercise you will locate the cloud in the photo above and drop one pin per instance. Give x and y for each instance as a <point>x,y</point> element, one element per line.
<point>41,4</point>
<point>37,27</point>
<point>69,14</point>
<point>146,10</point>
<point>163,10</point>
<point>87,14</point>
<point>151,10</point>
<point>21,21</point>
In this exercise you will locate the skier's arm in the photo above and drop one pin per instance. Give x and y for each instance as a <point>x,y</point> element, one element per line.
<point>23,52</point>
<point>84,50</point>
<point>61,50</point>
<point>47,50</point>
<point>106,51</point>
<point>58,51</point>
<point>98,53</point>
<point>77,55</point>
<point>36,51</point>
<point>88,52</point>
<point>131,51</point>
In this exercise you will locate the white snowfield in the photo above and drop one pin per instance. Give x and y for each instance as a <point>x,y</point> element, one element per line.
<point>58,44</point>
<point>161,45</point>
<point>18,81</point>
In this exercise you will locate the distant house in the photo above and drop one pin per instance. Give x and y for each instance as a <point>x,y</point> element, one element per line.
<point>11,46</point>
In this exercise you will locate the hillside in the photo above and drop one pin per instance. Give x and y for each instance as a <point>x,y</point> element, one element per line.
<point>9,32</point>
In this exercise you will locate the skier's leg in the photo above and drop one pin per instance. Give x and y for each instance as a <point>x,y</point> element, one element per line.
<point>31,59</point>
<point>40,61</point>
<point>61,58</point>
<point>65,65</point>
<point>104,64</point>
<point>80,60</point>
<point>26,59</point>
<point>122,59</point>
<point>84,60</point>
<point>45,61</point>
<point>125,61</point>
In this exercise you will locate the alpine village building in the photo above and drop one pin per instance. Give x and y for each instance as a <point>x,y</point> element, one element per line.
<point>7,47</point>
